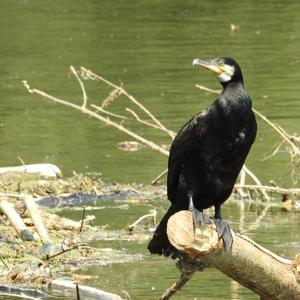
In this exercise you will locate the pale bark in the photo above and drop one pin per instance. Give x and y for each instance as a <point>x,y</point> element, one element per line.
<point>15,219</point>
<point>70,289</point>
<point>36,218</point>
<point>47,170</point>
<point>253,266</point>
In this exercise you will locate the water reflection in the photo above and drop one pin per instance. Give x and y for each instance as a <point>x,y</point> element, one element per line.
<point>149,47</point>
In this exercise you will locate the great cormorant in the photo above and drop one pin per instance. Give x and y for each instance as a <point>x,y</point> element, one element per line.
<point>208,153</point>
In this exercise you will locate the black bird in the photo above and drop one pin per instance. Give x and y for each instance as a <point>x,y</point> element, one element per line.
<point>208,153</point>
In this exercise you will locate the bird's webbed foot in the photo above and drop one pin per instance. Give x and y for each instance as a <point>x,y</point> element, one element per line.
<point>224,232</point>
<point>198,216</point>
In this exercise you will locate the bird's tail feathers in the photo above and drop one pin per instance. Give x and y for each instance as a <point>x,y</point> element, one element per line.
<point>159,243</point>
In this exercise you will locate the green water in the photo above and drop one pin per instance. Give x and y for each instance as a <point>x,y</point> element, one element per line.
<point>149,46</point>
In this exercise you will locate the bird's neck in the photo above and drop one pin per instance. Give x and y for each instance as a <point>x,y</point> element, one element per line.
<point>234,100</point>
<point>233,94</point>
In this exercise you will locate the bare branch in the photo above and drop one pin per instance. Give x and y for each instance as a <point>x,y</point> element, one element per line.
<point>106,121</point>
<point>286,137</point>
<point>98,108</point>
<point>203,88</point>
<point>155,180</point>
<point>184,278</point>
<point>84,95</point>
<point>114,94</point>
<point>64,250</point>
<point>135,115</point>
<point>270,189</point>
<point>279,130</point>
<point>257,181</point>
<point>151,215</point>
<point>90,75</point>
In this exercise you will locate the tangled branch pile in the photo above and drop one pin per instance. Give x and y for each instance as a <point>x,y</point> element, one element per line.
<point>117,121</point>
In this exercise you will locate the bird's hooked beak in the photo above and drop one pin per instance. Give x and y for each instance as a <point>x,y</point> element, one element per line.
<point>210,65</point>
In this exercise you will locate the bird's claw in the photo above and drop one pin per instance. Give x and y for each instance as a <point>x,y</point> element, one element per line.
<point>224,232</point>
<point>199,216</point>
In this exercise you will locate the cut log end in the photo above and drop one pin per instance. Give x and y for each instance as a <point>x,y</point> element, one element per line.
<point>253,266</point>
<point>189,237</point>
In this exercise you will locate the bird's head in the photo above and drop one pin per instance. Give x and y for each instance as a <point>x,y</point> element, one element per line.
<point>224,68</point>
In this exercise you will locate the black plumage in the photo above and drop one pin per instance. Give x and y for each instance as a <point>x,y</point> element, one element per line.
<point>209,151</point>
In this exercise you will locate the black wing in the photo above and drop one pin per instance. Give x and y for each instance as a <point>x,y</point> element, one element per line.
<point>182,147</point>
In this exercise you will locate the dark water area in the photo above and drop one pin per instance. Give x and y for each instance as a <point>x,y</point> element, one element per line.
<point>149,46</point>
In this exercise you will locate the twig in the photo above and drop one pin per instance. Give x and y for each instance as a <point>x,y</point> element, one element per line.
<point>114,94</point>
<point>184,278</point>
<point>157,178</point>
<point>21,161</point>
<point>84,95</point>
<point>201,87</point>
<point>270,189</point>
<point>139,220</point>
<point>77,292</point>
<point>274,152</point>
<point>280,131</point>
<point>82,219</point>
<point>135,115</point>
<point>89,74</point>
<point>98,117</point>
<point>257,181</point>
<point>4,263</point>
<point>98,108</point>
<point>48,257</point>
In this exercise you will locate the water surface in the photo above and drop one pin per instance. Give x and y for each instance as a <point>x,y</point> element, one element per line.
<point>148,46</point>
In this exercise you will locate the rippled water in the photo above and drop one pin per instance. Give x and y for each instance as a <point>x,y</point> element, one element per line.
<point>149,46</point>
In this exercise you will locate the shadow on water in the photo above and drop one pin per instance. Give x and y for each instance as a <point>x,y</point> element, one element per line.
<point>149,46</point>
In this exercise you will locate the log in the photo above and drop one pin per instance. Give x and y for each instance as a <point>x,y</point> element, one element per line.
<point>47,170</point>
<point>21,292</point>
<point>82,292</point>
<point>253,266</point>
<point>15,219</point>
<point>36,218</point>
<point>55,222</point>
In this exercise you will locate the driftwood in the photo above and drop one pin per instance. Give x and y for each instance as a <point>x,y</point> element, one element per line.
<point>36,218</point>
<point>56,286</point>
<point>47,170</point>
<point>253,266</point>
<point>81,292</point>
<point>21,292</point>
<point>111,119</point>
<point>15,219</point>
<point>55,222</point>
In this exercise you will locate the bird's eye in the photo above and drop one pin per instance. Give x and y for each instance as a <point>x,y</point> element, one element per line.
<point>219,61</point>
